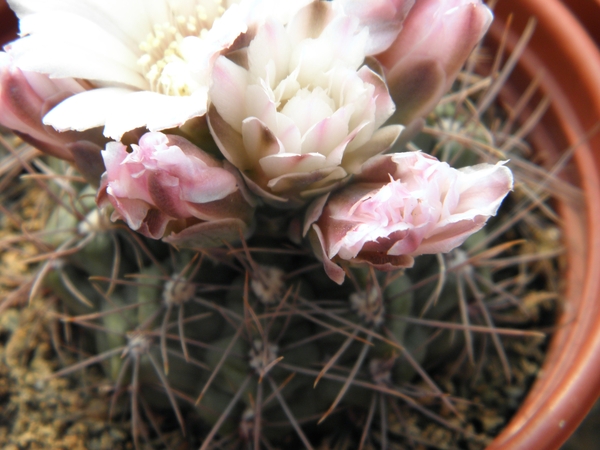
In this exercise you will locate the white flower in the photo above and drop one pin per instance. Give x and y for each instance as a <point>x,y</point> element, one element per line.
<point>148,62</point>
<point>301,114</point>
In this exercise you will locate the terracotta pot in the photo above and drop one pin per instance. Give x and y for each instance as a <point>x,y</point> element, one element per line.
<point>588,13</point>
<point>569,62</point>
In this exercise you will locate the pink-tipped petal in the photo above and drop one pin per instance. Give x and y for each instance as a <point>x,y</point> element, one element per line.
<point>228,140</point>
<point>403,205</point>
<point>228,91</point>
<point>436,39</point>
<point>382,140</point>
<point>333,271</point>
<point>24,99</point>
<point>258,140</point>
<point>383,18</point>
<point>161,186</point>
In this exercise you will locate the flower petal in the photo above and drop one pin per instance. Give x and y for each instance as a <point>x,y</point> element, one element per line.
<point>153,110</point>
<point>271,45</point>
<point>85,110</point>
<point>483,188</point>
<point>382,140</point>
<point>385,106</point>
<point>424,60</point>
<point>335,272</point>
<point>159,185</point>
<point>228,140</point>
<point>327,134</point>
<point>96,56</point>
<point>258,140</point>
<point>313,212</point>
<point>383,18</point>
<point>228,92</point>
<point>406,204</point>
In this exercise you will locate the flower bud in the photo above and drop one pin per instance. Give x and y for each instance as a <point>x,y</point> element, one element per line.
<point>167,187</point>
<point>25,97</point>
<point>423,62</point>
<point>300,114</point>
<point>403,205</point>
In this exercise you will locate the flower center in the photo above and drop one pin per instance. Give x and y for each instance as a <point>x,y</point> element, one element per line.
<point>164,61</point>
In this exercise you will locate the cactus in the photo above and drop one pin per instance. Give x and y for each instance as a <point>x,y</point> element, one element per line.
<point>241,312</point>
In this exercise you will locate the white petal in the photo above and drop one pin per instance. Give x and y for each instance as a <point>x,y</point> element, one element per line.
<point>450,235</point>
<point>86,110</point>
<point>384,103</point>
<point>288,134</point>
<point>258,139</point>
<point>288,87</point>
<point>324,179</point>
<point>338,45</point>
<point>337,154</point>
<point>258,104</point>
<point>382,17</point>
<point>228,140</point>
<point>47,54</point>
<point>324,136</point>
<point>270,44</point>
<point>381,141</point>
<point>313,212</point>
<point>92,31</point>
<point>228,91</point>
<point>335,272</point>
<point>282,11</point>
<point>346,40</point>
<point>310,20</point>
<point>128,20</point>
<point>284,163</point>
<point>482,188</point>
<point>307,108</point>
<point>201,53</point>
<point>228,27</point>
<point>153,110</point>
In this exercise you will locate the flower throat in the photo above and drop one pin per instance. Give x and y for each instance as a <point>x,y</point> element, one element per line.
<point>163,61</point>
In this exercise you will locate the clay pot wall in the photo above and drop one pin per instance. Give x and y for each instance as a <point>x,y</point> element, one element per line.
<point>567,59</point>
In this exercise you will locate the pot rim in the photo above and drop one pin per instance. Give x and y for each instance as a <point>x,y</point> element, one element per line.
<point>568,384</point>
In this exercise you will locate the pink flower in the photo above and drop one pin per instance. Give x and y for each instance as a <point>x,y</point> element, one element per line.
<point>423,62</point>
<point>403,205</point>
<point>167,184</point>
<point>25,97</point>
